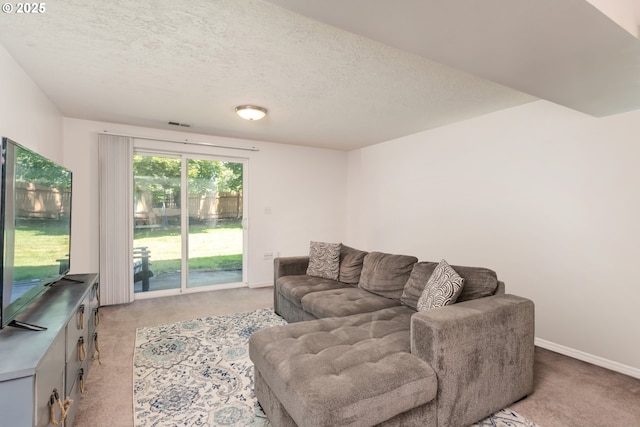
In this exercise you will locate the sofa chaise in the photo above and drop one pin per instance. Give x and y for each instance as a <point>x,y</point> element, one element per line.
<point>361,349</point>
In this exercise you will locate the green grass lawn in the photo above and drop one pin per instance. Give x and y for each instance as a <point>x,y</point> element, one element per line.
<point>38,244</point>
<point>210,248</point>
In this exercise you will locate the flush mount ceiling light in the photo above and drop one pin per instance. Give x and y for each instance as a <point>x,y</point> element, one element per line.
<point>251,112</point>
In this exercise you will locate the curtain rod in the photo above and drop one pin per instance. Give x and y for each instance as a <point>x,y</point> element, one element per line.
<point>185,141</point>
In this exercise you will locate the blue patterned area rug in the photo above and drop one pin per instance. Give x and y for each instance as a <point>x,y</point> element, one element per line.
<point>198,373</point>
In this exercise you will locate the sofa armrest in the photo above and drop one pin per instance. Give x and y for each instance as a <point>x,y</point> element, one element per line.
<point>287,266</point>
<point>290,266</point>
<point>482,353</point>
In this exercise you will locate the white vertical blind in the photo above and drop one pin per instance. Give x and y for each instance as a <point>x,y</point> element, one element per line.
<point>116,218</point>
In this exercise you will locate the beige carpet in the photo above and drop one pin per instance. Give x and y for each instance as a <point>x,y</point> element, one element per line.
<point>567,392</point>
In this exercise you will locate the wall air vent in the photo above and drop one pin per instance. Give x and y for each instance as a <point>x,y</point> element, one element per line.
<point>184,125</point>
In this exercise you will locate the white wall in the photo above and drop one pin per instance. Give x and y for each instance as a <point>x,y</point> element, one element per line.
<point>26,114</point>
<point>545,196</point>
<point>303,188</point>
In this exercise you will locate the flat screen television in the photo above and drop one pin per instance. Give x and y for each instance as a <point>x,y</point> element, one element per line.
<point>35,228</point>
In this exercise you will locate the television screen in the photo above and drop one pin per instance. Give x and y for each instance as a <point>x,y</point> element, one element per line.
<point>35,226</point>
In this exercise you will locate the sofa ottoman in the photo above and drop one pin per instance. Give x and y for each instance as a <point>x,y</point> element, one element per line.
<point>351,371</point>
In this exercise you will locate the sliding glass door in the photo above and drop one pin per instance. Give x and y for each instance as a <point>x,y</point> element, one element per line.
<point>215,231</point>
<point>188,216</point>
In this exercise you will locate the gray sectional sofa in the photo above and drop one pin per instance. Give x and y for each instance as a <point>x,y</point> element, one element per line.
<point>356,351</point>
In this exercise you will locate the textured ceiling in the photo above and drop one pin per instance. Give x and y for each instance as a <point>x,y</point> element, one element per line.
<point>565,51</point>
<point>149,62</point>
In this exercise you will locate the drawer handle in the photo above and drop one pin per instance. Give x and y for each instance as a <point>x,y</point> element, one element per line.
<point>82,349</point>
<point>81,312</point>
<point>81,379</point>
<point>96,316</point>
<point>64,408</point>
<point>96,355</point>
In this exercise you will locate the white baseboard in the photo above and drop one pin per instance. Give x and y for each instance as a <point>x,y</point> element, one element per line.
<point>261,285</point>
<point>589,358</point>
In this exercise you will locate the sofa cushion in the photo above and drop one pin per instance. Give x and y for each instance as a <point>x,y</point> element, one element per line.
<point>478,282</point>
<point>355,370</point>
<point>324,260</point>
<point>442,288</point>
<point>386,274</point>
<point>344,302</point>
<point>294,288</point>
<point>351,261</point>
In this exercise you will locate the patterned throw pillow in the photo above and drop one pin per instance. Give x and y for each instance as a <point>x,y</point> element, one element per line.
<point>324,260</point>
<point>443,288</point>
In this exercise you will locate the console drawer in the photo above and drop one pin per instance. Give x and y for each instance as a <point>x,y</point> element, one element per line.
<point>77,328</point>
<point>49,377</point>
<point>75,393</point>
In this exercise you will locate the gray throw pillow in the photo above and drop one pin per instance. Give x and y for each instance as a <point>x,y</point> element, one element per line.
<point>351,261</point>
<point>324,260</point>
<point>386,274</point>
<point>443,288</point>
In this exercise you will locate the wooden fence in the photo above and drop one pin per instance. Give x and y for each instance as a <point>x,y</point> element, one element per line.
<point>36,201</point>
<point>216,206</point>
<point>220,205</point>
